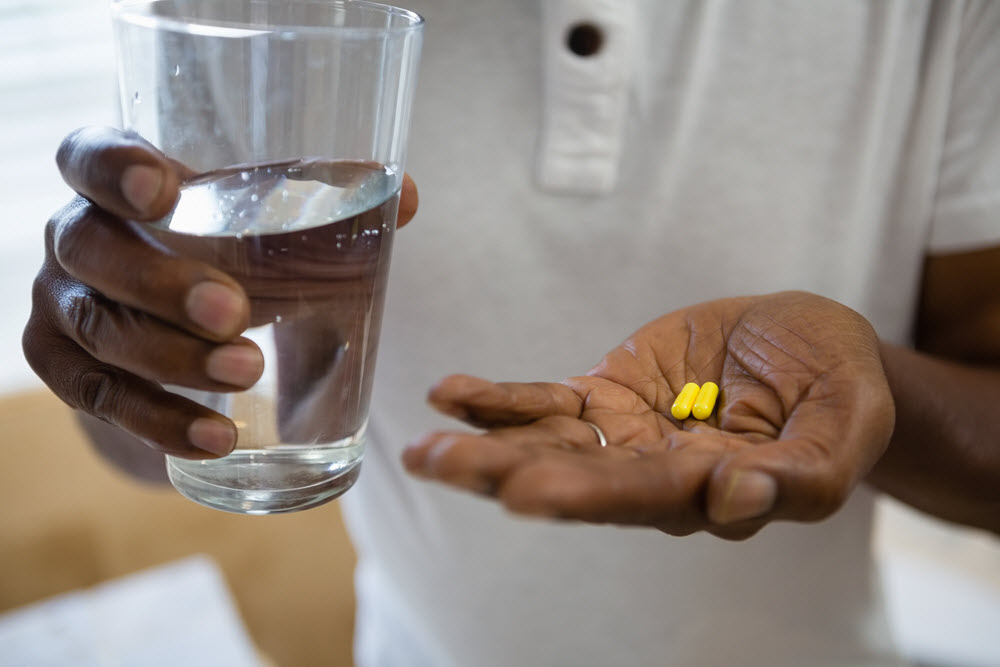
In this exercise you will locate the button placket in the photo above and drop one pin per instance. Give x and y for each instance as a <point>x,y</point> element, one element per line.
<point>587,73</point>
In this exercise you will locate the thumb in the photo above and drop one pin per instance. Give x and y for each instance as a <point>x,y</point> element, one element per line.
<point>741,495</point>
<point>798,480</point>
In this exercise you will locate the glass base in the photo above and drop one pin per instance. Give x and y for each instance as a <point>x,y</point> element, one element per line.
<point>267,481</point>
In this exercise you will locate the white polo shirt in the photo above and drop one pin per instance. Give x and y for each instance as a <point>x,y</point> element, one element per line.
<point>704,149</point>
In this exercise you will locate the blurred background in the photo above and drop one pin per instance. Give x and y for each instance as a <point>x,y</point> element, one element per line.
<point>81,545</point>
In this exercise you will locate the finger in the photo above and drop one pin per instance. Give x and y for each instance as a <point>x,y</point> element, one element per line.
<point>409,200</point>
<point>483,403</point>
<point>534,472</point>
<point>120,172</point>
<point>478,461</point>
<point>117,259</point>
<point>142,345</point>
<point>168,422</point>
<point>663,490</point>
<point>472,462</point>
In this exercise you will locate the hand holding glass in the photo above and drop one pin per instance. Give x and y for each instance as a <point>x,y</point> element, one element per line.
<point>293,114</point>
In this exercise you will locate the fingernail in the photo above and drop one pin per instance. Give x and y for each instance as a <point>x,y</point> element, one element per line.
<point>238,365</point>
<point>141,185</point>
<point>212,436</point>
<point>216,308</point>
<point>750,494</point>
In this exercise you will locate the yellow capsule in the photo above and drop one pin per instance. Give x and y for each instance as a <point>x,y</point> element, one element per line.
<point>705,403</point>
<point>682,404</point>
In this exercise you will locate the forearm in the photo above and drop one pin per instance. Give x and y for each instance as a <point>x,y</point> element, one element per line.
<point>944,456</point>
<point>123,450</point>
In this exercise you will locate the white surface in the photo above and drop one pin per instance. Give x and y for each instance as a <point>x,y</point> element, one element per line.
<point>942,584</point>
<point>177,614</point>
<point>963,615</point>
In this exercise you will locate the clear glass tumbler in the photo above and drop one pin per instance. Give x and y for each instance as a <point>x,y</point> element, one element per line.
<point>293,117</point>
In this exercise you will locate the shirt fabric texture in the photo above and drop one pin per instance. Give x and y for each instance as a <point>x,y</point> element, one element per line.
<point>707,149</point>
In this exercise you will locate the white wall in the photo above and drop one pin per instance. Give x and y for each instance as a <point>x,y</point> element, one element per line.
<point>56,73</point>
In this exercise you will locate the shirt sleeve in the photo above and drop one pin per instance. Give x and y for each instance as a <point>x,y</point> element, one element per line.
<point>966,213</point>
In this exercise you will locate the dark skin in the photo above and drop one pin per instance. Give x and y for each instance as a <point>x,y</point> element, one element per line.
<point>812,403</point>
<point>103,334</point>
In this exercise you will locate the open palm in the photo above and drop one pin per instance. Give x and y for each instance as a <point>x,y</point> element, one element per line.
<point>804,413</point>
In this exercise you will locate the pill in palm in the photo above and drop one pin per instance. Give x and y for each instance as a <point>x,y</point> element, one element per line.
<point>681,408</point>
<point>704,403</point>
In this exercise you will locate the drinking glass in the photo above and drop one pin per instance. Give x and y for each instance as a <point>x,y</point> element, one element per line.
<point>291,117</point>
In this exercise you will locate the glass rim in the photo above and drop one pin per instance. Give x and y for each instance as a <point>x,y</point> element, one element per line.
<point>132,12</point>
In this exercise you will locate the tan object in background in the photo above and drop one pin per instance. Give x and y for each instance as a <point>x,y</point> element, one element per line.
<point>69,520</point>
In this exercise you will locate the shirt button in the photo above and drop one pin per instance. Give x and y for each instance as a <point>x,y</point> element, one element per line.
<point>584,39</point>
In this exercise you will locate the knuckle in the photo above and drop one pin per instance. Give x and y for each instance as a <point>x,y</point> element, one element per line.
<point>42,291</point>
<point>70,147</point>
<point>92,158</point>
<point>71,212</point>
<point>34,343</point>
<point>100,392</point>
<point>70,233</point>
<point>88,319</point>
<point>50,235</point>
<point>79,154</point>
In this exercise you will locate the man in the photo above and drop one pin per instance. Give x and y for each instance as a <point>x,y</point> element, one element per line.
<point>681,153</point>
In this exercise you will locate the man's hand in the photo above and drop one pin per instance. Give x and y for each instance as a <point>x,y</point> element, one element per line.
<point>804,413</point>
<point>116,314</point>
